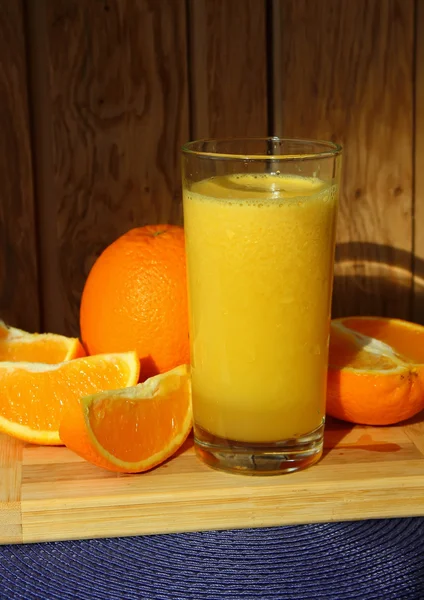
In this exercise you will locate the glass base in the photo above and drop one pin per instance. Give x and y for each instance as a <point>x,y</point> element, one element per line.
<point>259,459</point>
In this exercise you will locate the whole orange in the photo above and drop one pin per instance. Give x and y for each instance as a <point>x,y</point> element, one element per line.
<point>135,298</point>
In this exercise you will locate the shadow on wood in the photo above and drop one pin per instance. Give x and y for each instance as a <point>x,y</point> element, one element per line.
<point>374,279</point>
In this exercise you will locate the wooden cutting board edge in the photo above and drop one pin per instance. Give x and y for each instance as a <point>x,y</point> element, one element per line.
<point>398,493</point>
<point>137,518</point>
<point>10,490</point>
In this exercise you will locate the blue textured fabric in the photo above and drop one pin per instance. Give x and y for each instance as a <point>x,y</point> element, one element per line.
<point>366,560</point>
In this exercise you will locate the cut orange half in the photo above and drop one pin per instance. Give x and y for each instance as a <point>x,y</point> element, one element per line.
<point>34,395</point>
<point>135,429</point>
<point>48,348</point>
<point>376,370</point>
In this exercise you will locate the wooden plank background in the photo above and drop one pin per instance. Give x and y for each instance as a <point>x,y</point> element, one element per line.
<point>418,270</point>
<point>19,291</point>
<point>357,90</point>
<point>228,57</point>
<point>118,113</point>
<point>112,89</point>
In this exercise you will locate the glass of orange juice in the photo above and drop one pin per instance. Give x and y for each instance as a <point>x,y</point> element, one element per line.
<point>259,219</point>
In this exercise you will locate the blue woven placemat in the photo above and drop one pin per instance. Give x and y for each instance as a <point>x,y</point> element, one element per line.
<point>366,560</point>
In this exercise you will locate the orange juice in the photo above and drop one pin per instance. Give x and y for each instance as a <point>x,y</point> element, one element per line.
<point>259,258</point>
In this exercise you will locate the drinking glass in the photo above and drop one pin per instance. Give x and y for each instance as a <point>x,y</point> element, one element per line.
<point>259,220</point>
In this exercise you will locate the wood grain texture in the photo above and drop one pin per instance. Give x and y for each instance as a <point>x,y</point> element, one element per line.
<point>117,105</point>
<point>19,295</point>
<point>345,73</point>
<point>365,473</point>
<point>415,432</point>
<point>10,490</point>
<point>228,66</point>
<point>418,305</point>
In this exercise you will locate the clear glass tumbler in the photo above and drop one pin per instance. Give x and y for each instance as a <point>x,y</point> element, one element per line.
<point>259,218</point>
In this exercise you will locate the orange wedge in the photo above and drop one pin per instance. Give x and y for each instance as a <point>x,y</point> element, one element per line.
<point>34,395</point>
<point>376,370</point>
<point>48,348</point>
<point>135,429</point>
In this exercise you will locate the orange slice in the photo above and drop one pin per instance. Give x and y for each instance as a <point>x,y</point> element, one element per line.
<point>376,370</point>
<point>34,395</point>
<point>135,429</point>
<point>48,348</point>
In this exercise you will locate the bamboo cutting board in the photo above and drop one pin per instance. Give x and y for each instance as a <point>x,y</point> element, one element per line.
<point>51,494</point>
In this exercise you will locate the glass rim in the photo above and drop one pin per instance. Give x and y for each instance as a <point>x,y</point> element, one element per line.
<point>330,149</point>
